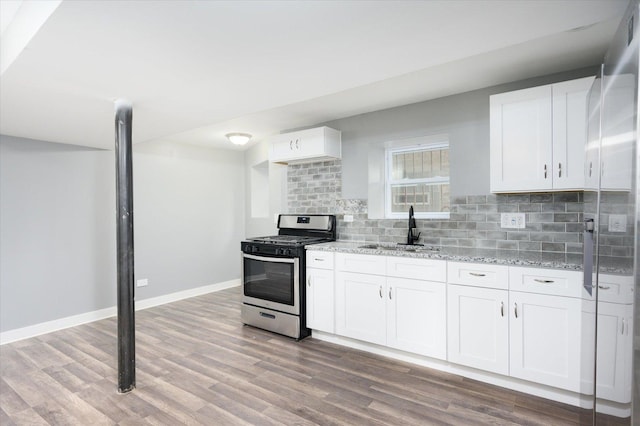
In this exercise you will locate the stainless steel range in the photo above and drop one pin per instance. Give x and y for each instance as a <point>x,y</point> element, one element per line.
<point>273,273</point>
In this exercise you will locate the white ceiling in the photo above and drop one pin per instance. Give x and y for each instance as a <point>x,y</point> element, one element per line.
<point>196,70</point>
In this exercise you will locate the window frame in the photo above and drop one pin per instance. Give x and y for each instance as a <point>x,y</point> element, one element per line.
<point>389,181</point>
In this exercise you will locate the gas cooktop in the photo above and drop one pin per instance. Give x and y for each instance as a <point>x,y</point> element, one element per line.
<point>289,240</point>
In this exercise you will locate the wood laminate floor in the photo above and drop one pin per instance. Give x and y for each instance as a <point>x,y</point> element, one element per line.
<point>197,365</point>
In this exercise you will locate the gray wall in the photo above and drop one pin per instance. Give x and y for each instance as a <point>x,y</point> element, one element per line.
<point>189,216</point>
<point>465,117</point>
<point>57,231</point>
<point>57,225</point>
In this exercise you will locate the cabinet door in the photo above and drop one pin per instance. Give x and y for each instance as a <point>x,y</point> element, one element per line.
<point>478,328</point>
<point>361,307</point>
<point>283,147</point>
<point>416,316</point>
<point>592,160</point>
<point>613,373</point>
<point>618,119</point>
<point>309,143</point>
<point>521,140</point>
<point>545,339</point>
<point>320,300</point>
<point>570,132</point>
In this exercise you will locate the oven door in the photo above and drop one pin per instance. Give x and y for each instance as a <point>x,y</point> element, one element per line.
<point>271,282</point>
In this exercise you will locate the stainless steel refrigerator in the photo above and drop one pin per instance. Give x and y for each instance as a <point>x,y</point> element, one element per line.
<point>611,243</point>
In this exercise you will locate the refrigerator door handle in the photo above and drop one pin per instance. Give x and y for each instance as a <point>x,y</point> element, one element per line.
<point>587,260</point>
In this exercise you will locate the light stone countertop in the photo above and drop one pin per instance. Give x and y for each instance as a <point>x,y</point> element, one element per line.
<point>459,254</point>
<point>568,261</point>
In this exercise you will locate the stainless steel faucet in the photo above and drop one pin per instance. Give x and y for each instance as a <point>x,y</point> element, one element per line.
<point>411,239</point>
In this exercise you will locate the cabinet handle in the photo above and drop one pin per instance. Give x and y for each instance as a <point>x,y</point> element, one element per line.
<point>477,274</point>
<point>604,287</point>
<point>291,145</point>
<point>390,289</point>
<point>559,169</point>
<point>318,259</point>
<point>380,292</point>
<point>545,171</point>
<point>543,281</point>
<point>502,309</point>
<point>309,281</point>
<point>297,146</point>
<point>515,309</point>
<point>622,328</point>
<point>590,167</point>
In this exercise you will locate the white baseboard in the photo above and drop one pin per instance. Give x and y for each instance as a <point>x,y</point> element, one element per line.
<point>74,320</point>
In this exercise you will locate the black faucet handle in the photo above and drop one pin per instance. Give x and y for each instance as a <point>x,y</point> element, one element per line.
<point>417,237</point>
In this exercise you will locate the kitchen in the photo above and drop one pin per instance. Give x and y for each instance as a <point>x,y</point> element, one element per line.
<point>164,168</point>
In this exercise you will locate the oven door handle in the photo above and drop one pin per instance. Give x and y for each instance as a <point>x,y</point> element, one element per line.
<point>270,259</point>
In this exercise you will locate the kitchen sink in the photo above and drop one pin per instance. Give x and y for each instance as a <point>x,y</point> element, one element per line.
<point>400,247</point>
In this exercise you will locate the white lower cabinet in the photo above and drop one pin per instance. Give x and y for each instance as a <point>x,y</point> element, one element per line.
<point>416,316</point>
<point>614,352</point>
<point>320,291</point>
<point>478,327</point>
<point>320,300</point>
<point>402,313</point>
<point>613,370</point>
<point>360,307</point>
<point>544,343</point>
<point>527,323</point>
<point>526,335</point>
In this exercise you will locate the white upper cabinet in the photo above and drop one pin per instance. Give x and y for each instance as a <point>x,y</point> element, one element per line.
<point>305,146</point>
<point>592,160</point>
<point>570,132</point>
<point>618,118</point>
<point>521,138</point>
<point>538,137</point>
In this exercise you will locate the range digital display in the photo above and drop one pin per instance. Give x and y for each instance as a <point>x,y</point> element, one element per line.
<point>304,219</point>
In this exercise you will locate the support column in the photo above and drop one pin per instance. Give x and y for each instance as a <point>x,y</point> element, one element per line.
<point>125,267</point>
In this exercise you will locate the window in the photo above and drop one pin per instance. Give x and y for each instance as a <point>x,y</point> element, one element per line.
<point>418,176</point>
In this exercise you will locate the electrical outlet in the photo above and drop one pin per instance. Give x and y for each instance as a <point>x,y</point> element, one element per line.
<point>617,223</point>
<point>348,218</point>
<point>142,283</point>
<point>512,220</point>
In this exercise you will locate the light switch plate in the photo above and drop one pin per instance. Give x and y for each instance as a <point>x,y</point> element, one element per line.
<point>617,223</point>
<point>348,218</point>
<point>143,282</point>
<point>512,220</point>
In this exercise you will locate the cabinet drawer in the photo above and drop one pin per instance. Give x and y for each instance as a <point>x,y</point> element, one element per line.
<point>478,275</point>
<point>319,259</point>
<point>546,281</point>
<point>420,269</point>
<point>361,263</point>
<point>615,288</point>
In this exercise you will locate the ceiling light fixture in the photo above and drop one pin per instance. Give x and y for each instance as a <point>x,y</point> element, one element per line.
<point>238,138</point>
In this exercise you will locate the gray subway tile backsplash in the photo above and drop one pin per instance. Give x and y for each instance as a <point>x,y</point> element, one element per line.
<point>553,220</point>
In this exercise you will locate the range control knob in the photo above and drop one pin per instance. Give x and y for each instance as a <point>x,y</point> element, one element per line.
<point>283,252</point>
<point>254,249</point>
